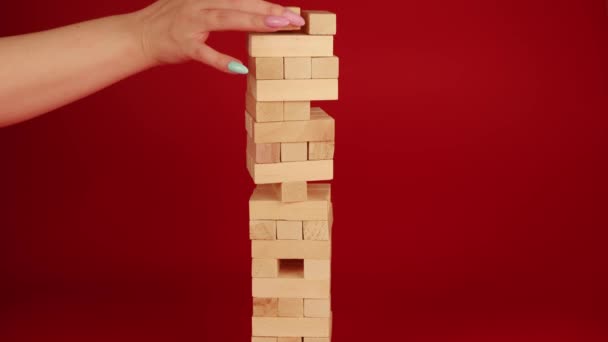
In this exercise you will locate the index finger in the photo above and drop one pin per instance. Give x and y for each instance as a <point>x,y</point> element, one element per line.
<point>252,6</point>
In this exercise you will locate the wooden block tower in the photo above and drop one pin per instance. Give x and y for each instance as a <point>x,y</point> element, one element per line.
<point>289,144</point>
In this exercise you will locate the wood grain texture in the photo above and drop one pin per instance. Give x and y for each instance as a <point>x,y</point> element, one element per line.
<point>291,191</point>
<point>262,230</point>
<point>290,249</point>
<point>320,127</point>
<point>289,45</point>
<point>293,90</point>
<point>265,204</point>
<point>325,67</point>
<point>291,327</point>
<point>313,170</point>
<point>289,230</point>
<point>319,22</point>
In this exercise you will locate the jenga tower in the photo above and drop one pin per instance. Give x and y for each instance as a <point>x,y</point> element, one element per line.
<point>288,144</point>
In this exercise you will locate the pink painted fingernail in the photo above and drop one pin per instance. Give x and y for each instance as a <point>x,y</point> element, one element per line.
<point>294,18</point>
<point>274,21</point>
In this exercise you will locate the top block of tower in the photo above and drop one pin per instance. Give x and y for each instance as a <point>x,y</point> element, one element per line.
<point>319,22</point>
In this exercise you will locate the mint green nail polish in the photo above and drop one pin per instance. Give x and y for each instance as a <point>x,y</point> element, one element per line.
<point>237,68</point>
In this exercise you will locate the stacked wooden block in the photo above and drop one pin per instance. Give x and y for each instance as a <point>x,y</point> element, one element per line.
<point>289,144</point>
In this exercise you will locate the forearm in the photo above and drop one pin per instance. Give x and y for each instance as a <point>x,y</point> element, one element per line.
<point>43,71</point>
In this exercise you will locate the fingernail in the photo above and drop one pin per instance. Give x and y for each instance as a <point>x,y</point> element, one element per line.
<point>237,68</point>
<point>294,18</point>
<point>274,21</point>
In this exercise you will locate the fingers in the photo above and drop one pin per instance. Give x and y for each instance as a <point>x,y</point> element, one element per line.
<point>228,20</point>
<point>253,6</point>
<point>208,55</point>
<point>259,7</point>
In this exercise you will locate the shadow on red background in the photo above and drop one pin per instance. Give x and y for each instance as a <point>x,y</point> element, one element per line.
<point>470,190</point>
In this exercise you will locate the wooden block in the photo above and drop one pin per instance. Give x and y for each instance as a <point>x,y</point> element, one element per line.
<point>290,326</point>
<point>297,68</point>
<point>264,111</point>
<point>289,230</point>
<point>321,150</point>
<point>292,151</point>
<point>265,307</point>
<point>265,204</point>
<point>291,191</point>
<point>267,68</point>
<point>317,269</point>
<point>293,90</point>
<point>316,339</point>
<point>262,230</point>
<point>316,170</point>
<point>316,230</point>
<point>289,339</point>
<point>291,307</point>
<point>264,339</point>
<point>265,153</point>
<point>290,249</point>
<point>296,110</point>
<point>320,127</point>
<point>325,67</point>
<point>316,308</point>
<point>290,288</point>
<point>319,22</point>
<point>265,268</point>
<point>289,45</point>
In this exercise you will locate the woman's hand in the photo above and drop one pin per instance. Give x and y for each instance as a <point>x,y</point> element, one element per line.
<point>175,31</point>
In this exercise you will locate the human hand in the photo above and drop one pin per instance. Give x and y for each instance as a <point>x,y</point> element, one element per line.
<point>174,31</point>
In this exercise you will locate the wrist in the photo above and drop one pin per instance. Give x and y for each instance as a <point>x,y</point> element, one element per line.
<point>136,25</point>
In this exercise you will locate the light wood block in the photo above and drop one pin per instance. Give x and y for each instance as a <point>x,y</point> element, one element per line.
<point>265,268</point>
<point>291,191</point>
<point>290,249</point>
<point>265,153</point>
<point>267,68</point>
<point>321,150</point>
<point>291,307</point>
<point>325,67</point>
<point>289,45</point>
<point>320,127</point>
<point>316,230</point>
<point>293,151</point>
<point>297,68</point>
<point>296,110</point>
<point>319,22</point>
<point>289,339</point>
<point>291,326</point>
<point>264,111</point>
<point>264,339</point>
<point>289,230</point>
<point>265,307</point>
<point>265,204</point>
<point>316,339</point>
<point>316,170</point>
<point>293,90</point>
<point>262,230</point>
<point>317,308</point>
<point>290,288</point>
<point>317,269</point>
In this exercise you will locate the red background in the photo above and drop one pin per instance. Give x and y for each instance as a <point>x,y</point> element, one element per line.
<point>469,194</point>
